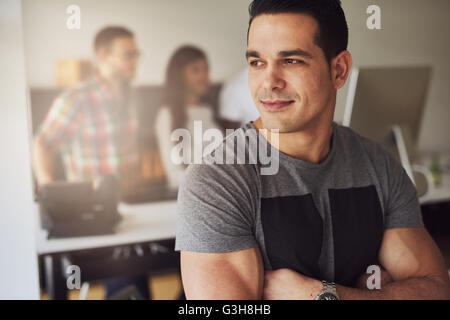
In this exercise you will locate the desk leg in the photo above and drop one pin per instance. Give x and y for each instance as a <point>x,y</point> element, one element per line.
<point>54,278</point>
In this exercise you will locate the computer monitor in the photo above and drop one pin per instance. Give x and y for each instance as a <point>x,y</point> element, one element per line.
<point>386,104</point>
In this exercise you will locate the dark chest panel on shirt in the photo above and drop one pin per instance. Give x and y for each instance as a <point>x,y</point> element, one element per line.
<point>293,232</point>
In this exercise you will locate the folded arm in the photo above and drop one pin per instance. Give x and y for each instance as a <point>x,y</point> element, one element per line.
<point>222,276</point>
<point>415,264</point>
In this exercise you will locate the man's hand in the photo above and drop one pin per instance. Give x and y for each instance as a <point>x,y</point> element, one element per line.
<point>43,162</point>
<point>286,284</point>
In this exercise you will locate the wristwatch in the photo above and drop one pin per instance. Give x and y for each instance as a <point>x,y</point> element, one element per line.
<point>328,291</point>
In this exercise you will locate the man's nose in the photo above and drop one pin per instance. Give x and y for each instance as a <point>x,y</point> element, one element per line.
<point>273,79</point>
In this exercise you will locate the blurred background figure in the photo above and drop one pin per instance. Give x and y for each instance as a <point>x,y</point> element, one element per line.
<point>236,106</point>
<point>94,126</point>
<point>186,86</point>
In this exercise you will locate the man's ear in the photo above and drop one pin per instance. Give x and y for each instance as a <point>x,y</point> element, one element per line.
<point>340,68</point>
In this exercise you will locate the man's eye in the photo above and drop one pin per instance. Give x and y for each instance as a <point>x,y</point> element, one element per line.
<point>255,63</point>
<point>294,61</point>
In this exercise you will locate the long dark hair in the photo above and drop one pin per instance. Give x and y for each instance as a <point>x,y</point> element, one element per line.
<point>175,87</point>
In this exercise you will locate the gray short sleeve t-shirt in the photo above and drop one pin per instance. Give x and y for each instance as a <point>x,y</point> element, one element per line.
<point>323,220</point>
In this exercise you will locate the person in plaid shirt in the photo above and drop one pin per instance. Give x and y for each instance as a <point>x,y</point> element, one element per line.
<point>95,135</point>
<point>94,127</point>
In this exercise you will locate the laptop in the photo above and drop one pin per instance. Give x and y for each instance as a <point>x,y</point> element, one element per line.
<point>70,209</point>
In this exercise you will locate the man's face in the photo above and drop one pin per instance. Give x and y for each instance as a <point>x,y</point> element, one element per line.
<point>121,58</point>
<point>289,76</point>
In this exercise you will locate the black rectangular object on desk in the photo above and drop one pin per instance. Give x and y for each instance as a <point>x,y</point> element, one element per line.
<point>152,191</point>
<point>77,209</point>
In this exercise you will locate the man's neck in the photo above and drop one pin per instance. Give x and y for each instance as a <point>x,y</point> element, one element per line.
<point>312,144</point>
<point>117,86</point>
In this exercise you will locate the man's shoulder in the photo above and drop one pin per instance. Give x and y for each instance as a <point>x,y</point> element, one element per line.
<point>77,93</point>
<point>237,149</point>
<point>224,162</point>
<point>354,143</point>
<point>366,151</point>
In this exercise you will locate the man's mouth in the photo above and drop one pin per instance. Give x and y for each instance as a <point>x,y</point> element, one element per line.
<point>276,104</point>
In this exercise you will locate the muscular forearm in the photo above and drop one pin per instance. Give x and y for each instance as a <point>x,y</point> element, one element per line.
<point>411,288</point>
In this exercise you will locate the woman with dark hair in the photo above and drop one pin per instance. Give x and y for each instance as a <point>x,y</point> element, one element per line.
<point>187,83</point>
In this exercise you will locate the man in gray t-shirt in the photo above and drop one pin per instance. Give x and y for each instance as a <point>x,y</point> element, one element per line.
<point>337,203</point>
<point>307,216</point>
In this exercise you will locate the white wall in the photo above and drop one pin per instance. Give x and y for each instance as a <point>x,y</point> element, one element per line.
<point>414,32</point>
<point>18,258</point>
<point>219,27</point>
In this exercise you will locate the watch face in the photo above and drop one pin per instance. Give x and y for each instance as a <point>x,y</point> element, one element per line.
<point>327,296</point>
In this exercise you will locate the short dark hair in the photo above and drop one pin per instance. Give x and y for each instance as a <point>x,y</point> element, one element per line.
<point>107,35</point>
<point>332,36</point>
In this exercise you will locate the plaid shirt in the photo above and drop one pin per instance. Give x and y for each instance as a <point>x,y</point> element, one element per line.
<point>95,135</point>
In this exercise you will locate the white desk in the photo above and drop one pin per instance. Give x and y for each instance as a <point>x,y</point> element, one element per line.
<point>141,223</point>
<point>441,193</point>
